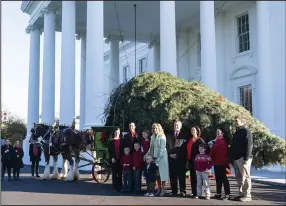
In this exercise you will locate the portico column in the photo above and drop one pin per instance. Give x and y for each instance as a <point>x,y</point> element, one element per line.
<point>82,36</point>
<point>94,102</point>
<point>114,65</point>
<point>48,87</point>
<point>34,86</point>
<point>67,91</point>
<point>156,56</point>
<point>264,65</point>
<point>208,45</point>
<point>168,50</point>
<point>183,60</point>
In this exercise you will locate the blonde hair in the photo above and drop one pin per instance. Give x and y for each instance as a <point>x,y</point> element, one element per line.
<point>161,131</point>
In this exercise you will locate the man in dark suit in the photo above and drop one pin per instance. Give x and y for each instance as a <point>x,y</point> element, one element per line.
<point>176,148</point>
<point>35,153</point>
<point>131,137</point>
<point>6,158</point>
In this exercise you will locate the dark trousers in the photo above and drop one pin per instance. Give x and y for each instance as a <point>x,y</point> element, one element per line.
<point>35,163</point>
<point>116,176</point>
<point>150,187</point>
<point>221,178</point>
<point>178,172</point>
<point>4,167</point>
<point>137,176</point>
<point>16,173</point>
<point>193,180</point>
<point>127,180</point>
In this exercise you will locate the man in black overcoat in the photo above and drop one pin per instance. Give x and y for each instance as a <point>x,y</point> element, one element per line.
<point>35,153</point>
<point>131,137</point>
<point>177,148</point>
<point>6,158</point>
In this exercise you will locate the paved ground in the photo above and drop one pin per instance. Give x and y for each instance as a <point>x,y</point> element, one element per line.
<point>28,191</point>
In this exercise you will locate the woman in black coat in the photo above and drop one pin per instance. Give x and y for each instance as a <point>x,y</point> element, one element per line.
<point>116,151</point>
<point>17,161</point>
<point>6,159</point>
<point>35,153</point>
<point>192,150</point>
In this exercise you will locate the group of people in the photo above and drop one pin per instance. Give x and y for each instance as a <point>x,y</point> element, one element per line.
<point>12,158</point>
<point>160,158</point>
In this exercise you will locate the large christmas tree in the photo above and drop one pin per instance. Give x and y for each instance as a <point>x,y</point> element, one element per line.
<point>162,97</point>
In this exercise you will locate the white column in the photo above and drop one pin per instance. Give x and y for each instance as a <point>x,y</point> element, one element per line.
<point>34,86</point>
<point>183,56</point>
<point>208,45</point>
<point>94,104</point>
<point>82,80</point>
<point>114,65</point>
<point>67,91</point>
<point>264,65</point>
<point>156,56</point>
<point>48,87</point>
<point>168,53</point>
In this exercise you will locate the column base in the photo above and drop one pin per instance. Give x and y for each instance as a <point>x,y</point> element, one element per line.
<point>26,158</point>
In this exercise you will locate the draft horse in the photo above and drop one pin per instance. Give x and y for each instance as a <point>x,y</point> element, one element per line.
<point>65,141</point>
<point>50,144</point>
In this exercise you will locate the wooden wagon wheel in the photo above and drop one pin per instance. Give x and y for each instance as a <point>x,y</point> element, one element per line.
<point>100,172</point>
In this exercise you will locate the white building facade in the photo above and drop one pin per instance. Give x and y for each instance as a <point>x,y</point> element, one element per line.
<point>234,48</point>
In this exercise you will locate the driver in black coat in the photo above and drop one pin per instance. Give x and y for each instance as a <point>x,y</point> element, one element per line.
<point>35,153</point>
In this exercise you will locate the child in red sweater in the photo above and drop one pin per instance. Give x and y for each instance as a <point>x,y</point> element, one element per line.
<point>219,155</point>
<point>203,164</point>
<point>138,163</point>
<point>126,163</point>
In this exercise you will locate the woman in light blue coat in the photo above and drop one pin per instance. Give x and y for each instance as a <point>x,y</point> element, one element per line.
<point>159,152</point>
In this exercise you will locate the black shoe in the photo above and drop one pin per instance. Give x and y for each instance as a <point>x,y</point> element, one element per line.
<point>183,194</point>
<point>217,197</point>
<point>174,193</point>
<point>38,176</point>
<point>226,197</point>
<point>9,179</point>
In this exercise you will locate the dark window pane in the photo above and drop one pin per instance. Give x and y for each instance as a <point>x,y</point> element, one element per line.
<point>246,17</point>
<point>247,27</point>
<point>243,28</point>
<point>239,30</point>
<point>245,46</point>
<point>240,48</point>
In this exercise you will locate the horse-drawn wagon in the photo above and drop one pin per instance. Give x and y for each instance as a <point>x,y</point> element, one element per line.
<point>99,153</point>
<point>89,146</point>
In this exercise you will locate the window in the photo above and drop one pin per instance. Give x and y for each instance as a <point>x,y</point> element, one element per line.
<point>127,73</point>
<point>245,94</point>
<point>199,49</point>
<point>243,33</point>
<point>142,65</point>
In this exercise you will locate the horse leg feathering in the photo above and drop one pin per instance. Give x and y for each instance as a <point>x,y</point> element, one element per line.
<point>70,176</point>
<point>55,175</point>
<point>46,174</point>
<point>64,170</point>
<point>76,169</point>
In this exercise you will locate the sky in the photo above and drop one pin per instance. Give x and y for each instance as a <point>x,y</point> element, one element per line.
<point>15,45</point>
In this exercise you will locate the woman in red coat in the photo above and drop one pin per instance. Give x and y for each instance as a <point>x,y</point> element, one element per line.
<point>219,155</point>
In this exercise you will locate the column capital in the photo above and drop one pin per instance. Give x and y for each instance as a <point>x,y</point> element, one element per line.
<point>49,9</point>
<point>30,28</point>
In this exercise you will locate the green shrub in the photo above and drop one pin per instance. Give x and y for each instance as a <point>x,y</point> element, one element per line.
<point>161,97</point>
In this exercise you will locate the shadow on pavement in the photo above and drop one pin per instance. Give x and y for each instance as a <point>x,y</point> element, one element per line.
<point>87,186</point>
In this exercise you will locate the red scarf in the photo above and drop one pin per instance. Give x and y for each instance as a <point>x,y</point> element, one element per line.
<point>6,147</point>
<point>35,150</point>
<point>17,149</point>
